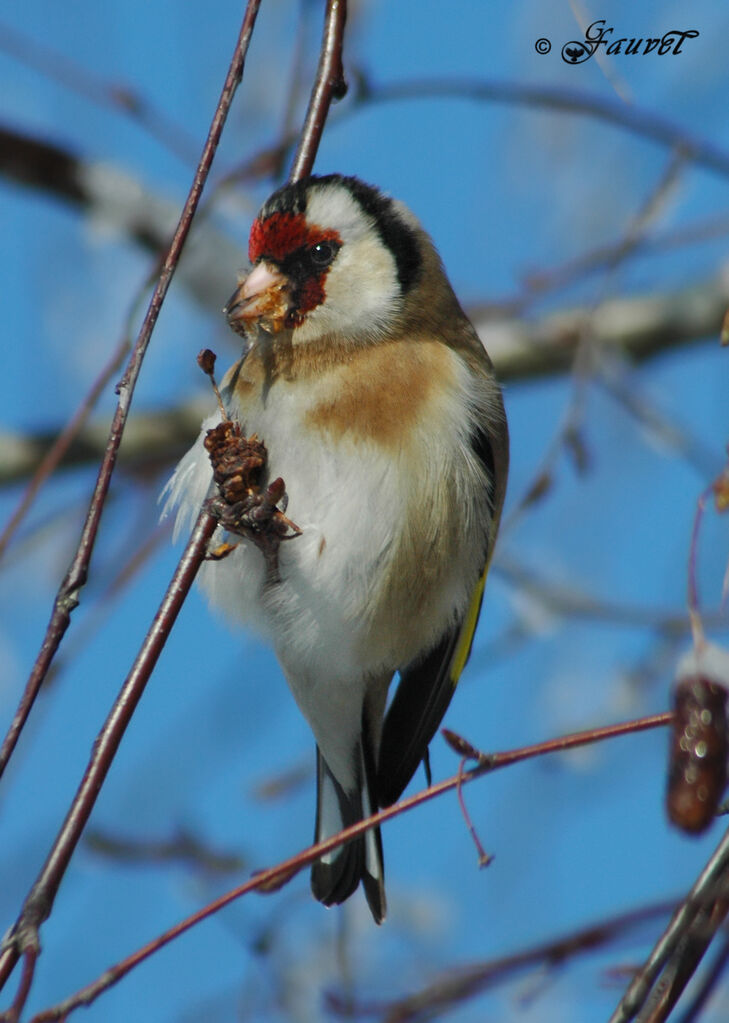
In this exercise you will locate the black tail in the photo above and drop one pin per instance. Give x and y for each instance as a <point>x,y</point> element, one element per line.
<point>336,875</point>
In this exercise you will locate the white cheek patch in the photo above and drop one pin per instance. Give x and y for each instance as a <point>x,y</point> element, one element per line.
<point>361,288</point>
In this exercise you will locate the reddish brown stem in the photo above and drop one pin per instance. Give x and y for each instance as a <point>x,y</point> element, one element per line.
<point>39,902</point>
<point>55,454</point>
<point>490,761</point>
<point>329,85</point>
<point>483,857</point>
<point>67,597</point>
<point>23,938</point>
<point>30,956</point>
<point>274,877</point>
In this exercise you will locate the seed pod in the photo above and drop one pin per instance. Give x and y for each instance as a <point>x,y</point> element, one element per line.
<point>697,773</point>
<point>206,361</point>
<point>237,461</point>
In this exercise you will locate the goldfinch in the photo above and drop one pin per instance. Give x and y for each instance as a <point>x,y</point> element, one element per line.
<point>378,406</point>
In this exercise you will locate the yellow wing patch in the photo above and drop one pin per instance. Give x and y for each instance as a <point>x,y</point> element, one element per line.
<point>465,638</point>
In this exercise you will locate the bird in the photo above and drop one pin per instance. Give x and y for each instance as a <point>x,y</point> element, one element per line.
<point>378,406</point>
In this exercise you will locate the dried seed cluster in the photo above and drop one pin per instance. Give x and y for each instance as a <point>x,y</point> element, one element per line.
<point>237,461</point>
<point>242,507</point>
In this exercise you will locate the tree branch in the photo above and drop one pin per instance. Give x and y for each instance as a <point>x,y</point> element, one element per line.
<point>117,96</point>
<point>117,199</point>
<point>116,196</point>
<point>657,986</point>
<point>273,878</point>
<point>464,982</point>
<point>329,85</point>
<point>68,594</point>
<point>638,121</point>
<point>641,328</point>
<point>23,938</point>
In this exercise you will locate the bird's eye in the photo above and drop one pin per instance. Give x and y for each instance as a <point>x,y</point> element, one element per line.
<point>323,253</point>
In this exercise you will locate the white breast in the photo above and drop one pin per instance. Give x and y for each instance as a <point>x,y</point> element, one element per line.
<point>354,501</point>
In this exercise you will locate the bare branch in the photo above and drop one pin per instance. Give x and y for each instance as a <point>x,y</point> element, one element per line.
<point>23,938</point>
<point>181,847</point>
<point>111,191</point>
<point>273,878</point>
<point>119,200</point>
<point>39,902</point>
<point>61,444</point>
<point>329,85</point>
<point>706,985</point>
<point>118,96</point>
<point>150,439</point>
<point>550,351</point>
<point>68,595</point>
<point>645,123</point>
<point>692,927</point>
<point>572,602</point>
<point>462,983</point>
<point>548,280</point>
<point>640,327</point>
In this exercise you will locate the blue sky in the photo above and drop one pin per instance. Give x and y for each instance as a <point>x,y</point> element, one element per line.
<point>503,190</point>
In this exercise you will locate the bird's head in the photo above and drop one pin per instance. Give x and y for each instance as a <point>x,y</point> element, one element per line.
<point>331,256</point>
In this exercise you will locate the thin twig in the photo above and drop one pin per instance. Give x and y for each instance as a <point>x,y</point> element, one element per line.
<point>710,888</point>
<point>692,586</point>
<point>684,962</point>
<point>638,121</point>
<point>60,446</point>
<point>67,598</point>
<point>150,439</point>
<point>286,131</point>
<point>110,194</point>
<point>461,983</point>
<point>494,761</point>
<point>615,379</point>
<point>569,601</point>
<point>120,97</point>
<point>39,902</point>
<point>549,280</point>
<point>182,846</point>
<point>634,119</point>
<point>587,355</point>
<point>603,61</point>
<point>709,981</point>
<point>484,858</point>
<point>329,85</point>
<point>30,955</point>
<point>639,328</point>
<point>274,878</point>
<point>140,553</point>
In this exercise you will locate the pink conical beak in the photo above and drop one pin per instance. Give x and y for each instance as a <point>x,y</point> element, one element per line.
<point>263,294</point>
